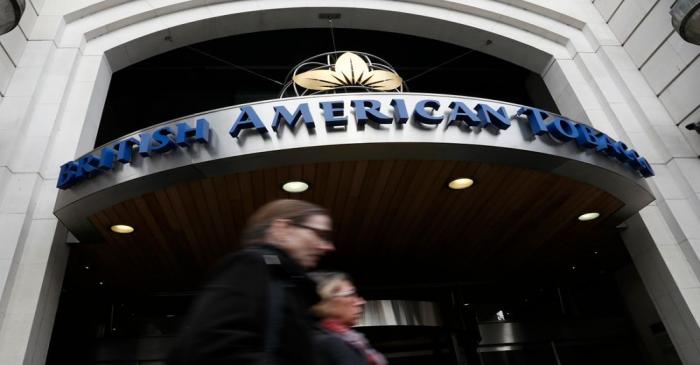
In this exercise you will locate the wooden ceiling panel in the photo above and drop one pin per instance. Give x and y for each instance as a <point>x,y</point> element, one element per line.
<point>385,212</point>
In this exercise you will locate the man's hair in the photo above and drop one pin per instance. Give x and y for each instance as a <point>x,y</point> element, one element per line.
<point>295,210</point>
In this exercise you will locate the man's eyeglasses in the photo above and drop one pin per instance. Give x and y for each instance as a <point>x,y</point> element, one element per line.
<point>324,234</point>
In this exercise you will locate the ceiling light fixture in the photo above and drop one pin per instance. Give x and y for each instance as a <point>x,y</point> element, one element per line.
<point>460,183</point>
<point>296,186</point>
<point>588,216</point>
<point>121,228</point>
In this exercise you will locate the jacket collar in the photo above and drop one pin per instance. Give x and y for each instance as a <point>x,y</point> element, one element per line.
<point>276,257</point>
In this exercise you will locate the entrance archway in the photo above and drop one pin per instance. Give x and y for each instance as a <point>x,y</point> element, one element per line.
<point>112,35</point>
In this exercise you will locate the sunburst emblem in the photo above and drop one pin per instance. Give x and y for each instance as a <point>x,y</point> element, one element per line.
<point>351,71</point>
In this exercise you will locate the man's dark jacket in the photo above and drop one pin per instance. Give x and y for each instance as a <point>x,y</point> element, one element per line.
<point>230,321</point>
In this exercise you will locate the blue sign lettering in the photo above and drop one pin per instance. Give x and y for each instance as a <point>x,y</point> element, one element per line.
<point>422,115</point>
<point>200,133</point>
<point>302,113</point>
<point>334,113</point>
<point>500,119</point>
<point>369,110</point>
<point>247,119</point>
<point>562,129</point>
<point>586,137</point>
<point>460,113</point>
<point>400,111</point>
<point>125,149</point>
<point>160,141</point>
<point>482,115</point>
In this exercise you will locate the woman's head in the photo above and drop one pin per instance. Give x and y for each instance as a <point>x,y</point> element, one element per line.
<point>300,228</point>
<point>339,298</point>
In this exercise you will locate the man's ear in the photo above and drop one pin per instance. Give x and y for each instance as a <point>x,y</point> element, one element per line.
<point>281,223</point>
<point>276,232</point>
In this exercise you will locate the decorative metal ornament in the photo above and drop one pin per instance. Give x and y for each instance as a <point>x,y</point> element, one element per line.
<point>685,17</point>
<point>342,71</point>
<point>10,14</point>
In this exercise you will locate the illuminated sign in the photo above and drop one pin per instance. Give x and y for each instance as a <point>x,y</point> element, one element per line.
<point>423,114</point>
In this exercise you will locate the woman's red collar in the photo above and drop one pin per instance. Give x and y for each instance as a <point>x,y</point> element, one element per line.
<point>334,325</point>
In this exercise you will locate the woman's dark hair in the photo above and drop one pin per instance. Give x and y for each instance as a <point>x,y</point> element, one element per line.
<point>295,210</point>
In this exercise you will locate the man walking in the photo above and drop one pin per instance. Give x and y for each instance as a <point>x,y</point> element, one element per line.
<point>255,309</point>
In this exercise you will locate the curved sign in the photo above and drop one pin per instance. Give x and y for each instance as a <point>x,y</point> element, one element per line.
<point>429,114</point>
<point>344,127</point>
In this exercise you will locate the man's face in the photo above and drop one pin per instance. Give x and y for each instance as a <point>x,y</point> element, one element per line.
<point>309,240</point>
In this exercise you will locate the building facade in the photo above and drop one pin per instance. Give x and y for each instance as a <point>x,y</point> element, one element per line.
<point>615,65</point>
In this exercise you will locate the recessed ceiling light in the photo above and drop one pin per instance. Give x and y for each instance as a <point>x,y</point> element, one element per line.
<point>460,183</point>
<point>588,216</point>
<point>122,228</point>
<point>295,186</point>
